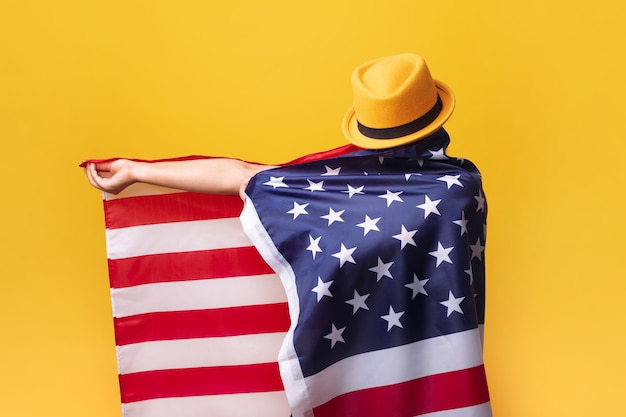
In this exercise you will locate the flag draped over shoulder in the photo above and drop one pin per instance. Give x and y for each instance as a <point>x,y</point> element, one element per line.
<point>354,288</point>
<point>381,254</point>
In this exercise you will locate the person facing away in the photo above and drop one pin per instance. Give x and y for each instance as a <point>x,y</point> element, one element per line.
<point>380,250</point>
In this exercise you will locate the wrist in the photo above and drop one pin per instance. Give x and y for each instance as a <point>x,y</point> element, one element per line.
<point>137,171</point>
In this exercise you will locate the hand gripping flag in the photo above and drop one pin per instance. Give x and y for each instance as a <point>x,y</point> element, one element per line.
<point>381,254</point>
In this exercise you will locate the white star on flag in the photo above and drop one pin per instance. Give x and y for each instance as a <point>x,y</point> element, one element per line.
<point>315,186</point>
<point>429,206</point>
<point>382,269</point>
<point>451,180</point>
<point>406,237</point>
<point>369,224</point>
<point>298,209</point>
<point>276,182</point>
<point>417,286</point>
<point>407,176</point>
<point>391,197</point>
<point>344,255</point>
<point>314,245</point>
<point>352,191</point>
<point>442,254</point>
<point>333,216</point>
<point>322,289</point>
<point>331,171</point>
<point>453,304</point>
<point>393,318</point>
<point>480,199</point>
<point>463,223</point>
<point>335,336</point>
<point>477,250</point>
<point>358,302</point>
<point>471,275</point>
<point>439,154</point>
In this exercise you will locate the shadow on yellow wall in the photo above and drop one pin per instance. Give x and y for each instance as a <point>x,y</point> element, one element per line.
<point>539,88</point>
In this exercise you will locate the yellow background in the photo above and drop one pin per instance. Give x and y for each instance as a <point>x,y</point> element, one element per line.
<point>540,89</point>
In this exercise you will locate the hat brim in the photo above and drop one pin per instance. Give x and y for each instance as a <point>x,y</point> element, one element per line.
<point>352,133</point>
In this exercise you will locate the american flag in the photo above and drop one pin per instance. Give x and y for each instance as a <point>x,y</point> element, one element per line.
<point>381,254</point>
<point>199,316</point>
<point>381,259</point>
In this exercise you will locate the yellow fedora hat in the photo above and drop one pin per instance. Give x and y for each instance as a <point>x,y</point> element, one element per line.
<point>396,101</point>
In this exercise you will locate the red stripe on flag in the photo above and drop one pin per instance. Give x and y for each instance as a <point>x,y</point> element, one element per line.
<point>168,208</point>
<point>191,382</point>
<point>186,266</point>
<point>331,153</point>
<point>447,391</point>
<point>220,322</point>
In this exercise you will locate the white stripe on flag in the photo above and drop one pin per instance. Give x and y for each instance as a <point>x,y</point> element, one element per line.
<point>192,353</point>
<point>175,237</point>
<point>266,404</point>
<point>395,365</point>
<point>197,295</point>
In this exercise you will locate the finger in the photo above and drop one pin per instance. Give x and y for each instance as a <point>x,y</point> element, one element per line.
<point>96,178</point>
<point>88,171</point>
<point>104,166</point>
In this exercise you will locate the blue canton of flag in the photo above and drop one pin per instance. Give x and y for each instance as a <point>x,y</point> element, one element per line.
<point>382,257</point>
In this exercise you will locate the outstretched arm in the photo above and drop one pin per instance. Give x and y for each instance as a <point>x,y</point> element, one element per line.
<point>215,176</point>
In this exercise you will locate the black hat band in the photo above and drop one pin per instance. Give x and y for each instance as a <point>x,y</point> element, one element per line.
<point>405,129</point>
